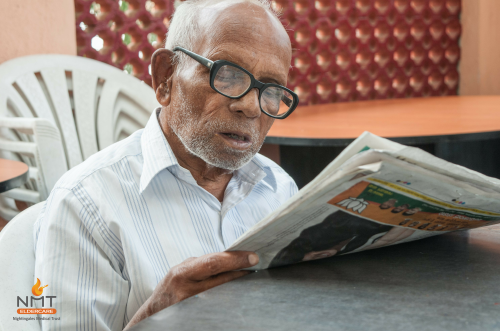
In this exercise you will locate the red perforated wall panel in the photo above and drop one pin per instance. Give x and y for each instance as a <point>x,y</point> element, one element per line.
<point>344,50</point>
<point>122,33</point>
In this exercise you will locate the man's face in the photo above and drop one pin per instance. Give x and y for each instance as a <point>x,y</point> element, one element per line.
<point>400,208</point>
<point>412,211</point>
<point>388,204</point>
<point>224,132</point>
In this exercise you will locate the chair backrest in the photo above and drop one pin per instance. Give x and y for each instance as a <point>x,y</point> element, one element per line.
<point>17,258</point>
<point>92,103</point>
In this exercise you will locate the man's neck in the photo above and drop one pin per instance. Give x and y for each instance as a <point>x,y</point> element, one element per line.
<point>212,179</point>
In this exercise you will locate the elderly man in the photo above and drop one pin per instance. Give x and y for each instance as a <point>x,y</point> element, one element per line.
<point>141,225</point>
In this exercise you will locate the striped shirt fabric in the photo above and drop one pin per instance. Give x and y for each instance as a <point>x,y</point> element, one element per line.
<point>114,225</point>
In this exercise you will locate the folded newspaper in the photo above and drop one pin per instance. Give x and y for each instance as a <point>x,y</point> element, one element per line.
<point>375,193</point>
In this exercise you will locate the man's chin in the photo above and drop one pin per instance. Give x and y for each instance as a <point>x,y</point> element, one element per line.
<point>230,163</point>
<point>219,154</point>
<point>227,158</point>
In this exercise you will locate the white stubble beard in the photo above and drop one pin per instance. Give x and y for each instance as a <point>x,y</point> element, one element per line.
<point>184,125</point>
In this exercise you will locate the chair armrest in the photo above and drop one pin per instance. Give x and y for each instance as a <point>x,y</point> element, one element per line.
<point>47,148</point>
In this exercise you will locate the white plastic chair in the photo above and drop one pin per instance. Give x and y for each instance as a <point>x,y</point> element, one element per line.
<point>17,259</point>
<point>91,103</point>
<point>42,150</point>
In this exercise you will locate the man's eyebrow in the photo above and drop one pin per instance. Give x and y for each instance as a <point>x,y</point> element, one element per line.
<point>228,57</point>
<point>268,79</point>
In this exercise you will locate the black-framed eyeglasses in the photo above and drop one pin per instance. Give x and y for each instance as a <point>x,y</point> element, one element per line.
<point>234,82</point>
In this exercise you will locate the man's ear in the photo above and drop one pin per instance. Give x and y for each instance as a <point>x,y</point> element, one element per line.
<point>162,70</point>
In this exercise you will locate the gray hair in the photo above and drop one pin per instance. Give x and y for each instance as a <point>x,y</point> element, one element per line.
<point>184,27</point>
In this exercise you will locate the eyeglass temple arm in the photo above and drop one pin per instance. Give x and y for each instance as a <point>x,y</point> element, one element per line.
<point>202,60</point>
<point>286,100</point>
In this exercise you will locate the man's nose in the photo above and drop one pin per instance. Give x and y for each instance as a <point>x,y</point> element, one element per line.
<point>248,104</point>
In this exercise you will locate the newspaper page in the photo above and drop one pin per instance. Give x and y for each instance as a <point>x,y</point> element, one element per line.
<point>373,198</point>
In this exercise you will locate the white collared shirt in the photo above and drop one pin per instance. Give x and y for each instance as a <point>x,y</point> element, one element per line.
<point>114,225</point>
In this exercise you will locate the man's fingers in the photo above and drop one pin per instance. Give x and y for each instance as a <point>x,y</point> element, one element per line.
<point>193,288</point>
<point>213,264</point>
<point>199,274</point>
<point>222,278</point>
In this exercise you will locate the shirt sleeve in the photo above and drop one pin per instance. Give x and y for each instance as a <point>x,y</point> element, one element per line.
<point>80,262</point>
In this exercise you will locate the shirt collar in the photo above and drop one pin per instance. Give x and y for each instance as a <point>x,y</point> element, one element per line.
<point>158,155</point>
<point>156,151</point>
<point>269,177</point>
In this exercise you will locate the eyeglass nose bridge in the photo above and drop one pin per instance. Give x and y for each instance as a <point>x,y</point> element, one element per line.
<point>253,84</point>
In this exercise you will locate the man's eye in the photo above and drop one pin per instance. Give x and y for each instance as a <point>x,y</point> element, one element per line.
<point>274,94</point>
<point>224,76</point>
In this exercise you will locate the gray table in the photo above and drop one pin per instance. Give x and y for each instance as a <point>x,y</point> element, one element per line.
<point>448,282</point>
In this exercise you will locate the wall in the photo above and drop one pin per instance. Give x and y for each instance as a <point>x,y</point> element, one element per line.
<point>480,45</point>
<point>36,26</point>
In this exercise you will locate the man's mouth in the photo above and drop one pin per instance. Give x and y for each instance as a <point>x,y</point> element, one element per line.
<point>236,139</point>
<point>235,136</point>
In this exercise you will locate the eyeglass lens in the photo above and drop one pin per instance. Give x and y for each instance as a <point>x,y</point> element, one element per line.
<point>233,82</point>
<point>275,100</point>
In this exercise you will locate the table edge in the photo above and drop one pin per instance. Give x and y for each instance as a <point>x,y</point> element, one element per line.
<point>14,182</point>
<point>302,141</point>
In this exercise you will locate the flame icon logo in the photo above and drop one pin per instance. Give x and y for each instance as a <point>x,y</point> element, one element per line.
<point>37,289</point>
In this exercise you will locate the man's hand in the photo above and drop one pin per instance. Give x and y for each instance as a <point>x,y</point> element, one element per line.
<point>194,276</point>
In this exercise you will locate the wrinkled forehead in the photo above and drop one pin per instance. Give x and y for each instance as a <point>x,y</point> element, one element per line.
<point>244,16</point>
<point>243,31</point>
